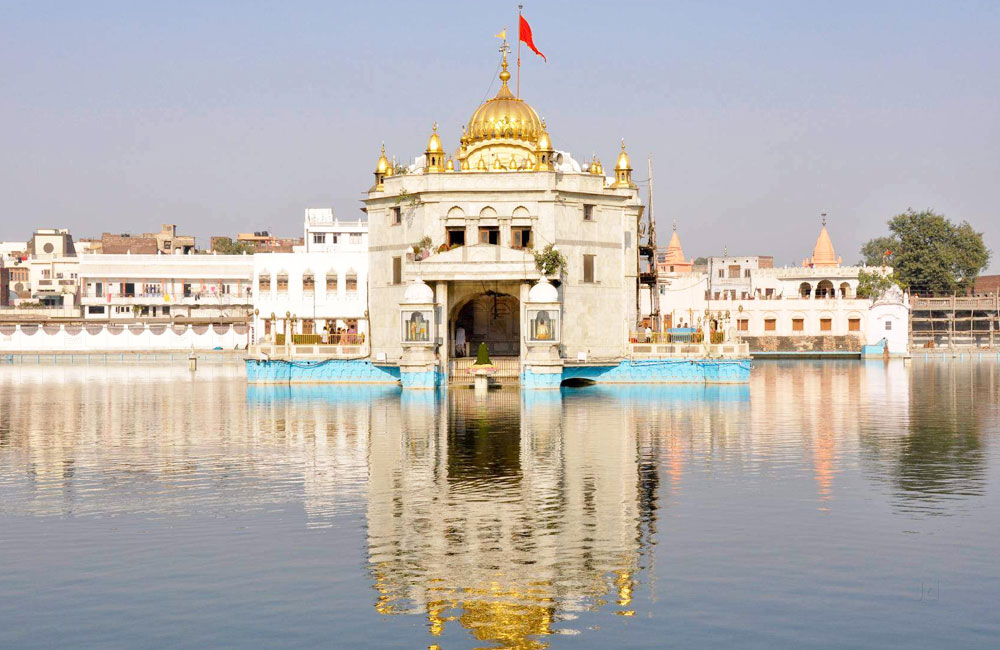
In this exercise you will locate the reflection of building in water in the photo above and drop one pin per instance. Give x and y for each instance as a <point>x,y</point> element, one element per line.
<point>330,425</point>
<point>97,440</point>
<point>502,515</point>
<point>833,404</point>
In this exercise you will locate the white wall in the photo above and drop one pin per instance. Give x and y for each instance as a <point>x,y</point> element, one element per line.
<point>99,338</point>
<point>890,320</point>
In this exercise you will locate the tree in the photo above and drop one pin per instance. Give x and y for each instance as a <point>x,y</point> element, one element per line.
<point>929,253</point>
<point>876,283</point>
<point>226,246</point>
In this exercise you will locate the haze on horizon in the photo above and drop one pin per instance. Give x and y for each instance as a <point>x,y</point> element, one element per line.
<point>228,116</point>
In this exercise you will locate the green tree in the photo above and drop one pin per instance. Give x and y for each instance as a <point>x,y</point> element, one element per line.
<point>226,246</point>
<point>929,253</point>
<point>875,283</point>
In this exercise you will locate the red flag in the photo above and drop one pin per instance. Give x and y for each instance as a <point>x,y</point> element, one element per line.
<point>524,33</point>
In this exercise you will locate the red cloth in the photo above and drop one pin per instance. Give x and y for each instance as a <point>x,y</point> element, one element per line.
<point>524,33</point>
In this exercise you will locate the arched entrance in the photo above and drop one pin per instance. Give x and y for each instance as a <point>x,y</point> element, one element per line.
<point>491,317</point>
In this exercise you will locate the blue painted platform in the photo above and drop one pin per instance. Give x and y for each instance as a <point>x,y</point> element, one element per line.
<point>652,371</point>
<point>331,371</point>
<point>664,371</point>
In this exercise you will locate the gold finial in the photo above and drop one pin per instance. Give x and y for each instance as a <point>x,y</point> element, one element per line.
<point>623,144</point>
<point>823,214</point>
<point>675,225</point>
<point>504,75</point>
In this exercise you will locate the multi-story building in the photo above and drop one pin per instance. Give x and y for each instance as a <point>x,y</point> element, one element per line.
<point>729,277</point>
<point>320,290</point>
<point>52,267</point>
<point>264,242</point>
<point>194,287</point>
<point>167,242</point>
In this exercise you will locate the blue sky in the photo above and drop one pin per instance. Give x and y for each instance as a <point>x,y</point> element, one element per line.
<point>227,116</point>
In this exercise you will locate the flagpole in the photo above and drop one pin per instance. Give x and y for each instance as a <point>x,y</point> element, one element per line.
<point>519,7</point>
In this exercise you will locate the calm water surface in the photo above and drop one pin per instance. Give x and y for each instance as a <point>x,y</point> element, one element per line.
<point>840,504</point>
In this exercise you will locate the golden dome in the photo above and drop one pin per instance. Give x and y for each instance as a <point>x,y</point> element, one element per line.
<point>434,142</point>
<point>465,165</point>
<point>482,164</point>
<point>504,116</point>
<point>623,164</point>
<point>544,142</point>
<point>449,166</point>
<point>382,166</point>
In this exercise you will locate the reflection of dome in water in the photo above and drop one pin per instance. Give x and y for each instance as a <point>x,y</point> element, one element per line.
<point>418,293</point>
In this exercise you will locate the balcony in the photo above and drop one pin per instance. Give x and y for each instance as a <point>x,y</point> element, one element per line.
<point>161,299</point>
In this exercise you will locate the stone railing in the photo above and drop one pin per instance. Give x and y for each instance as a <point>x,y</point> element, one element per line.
<point>948,303</point>
<point>309,352</point>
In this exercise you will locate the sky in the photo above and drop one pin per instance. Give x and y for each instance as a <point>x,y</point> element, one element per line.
<point>225,117</point>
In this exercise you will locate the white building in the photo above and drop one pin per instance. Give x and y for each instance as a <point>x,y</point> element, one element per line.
<point>730,277</point>
<point>196,287</point>
<point>467,226</point>
<point>52,267</point>
<point>321,289</point>
<point>790,309</point>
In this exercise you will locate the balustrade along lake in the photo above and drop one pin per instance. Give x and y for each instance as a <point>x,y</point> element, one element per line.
<point>826,504</point>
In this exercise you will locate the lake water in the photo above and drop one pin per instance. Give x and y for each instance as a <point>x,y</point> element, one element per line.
<point>827,504</point>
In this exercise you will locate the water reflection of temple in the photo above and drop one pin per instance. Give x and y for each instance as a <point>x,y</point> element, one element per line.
<point>505,515</point>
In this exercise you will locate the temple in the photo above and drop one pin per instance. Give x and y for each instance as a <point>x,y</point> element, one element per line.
<point>458,241</point>
<point>823,256</point>
<point>673,261</point>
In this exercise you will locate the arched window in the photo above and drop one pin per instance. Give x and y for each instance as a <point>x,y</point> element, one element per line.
<point>805,290</point>
<point>351,283</point>
<point>264,282</point>
<point>825,289</point>
<point>845,290</point>
<point>331,282</point>
<point>282,282</point>
<point>308,282</point>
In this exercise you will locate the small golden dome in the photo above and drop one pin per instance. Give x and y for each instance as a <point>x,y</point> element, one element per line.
<point>496,164</point>
<point>623,164</point>
<point>544,142</point>
<point>482,164</point>
<point>382,166</point>
<point>465,165</point>
<point>449,166</point>
<point>434,143</point>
